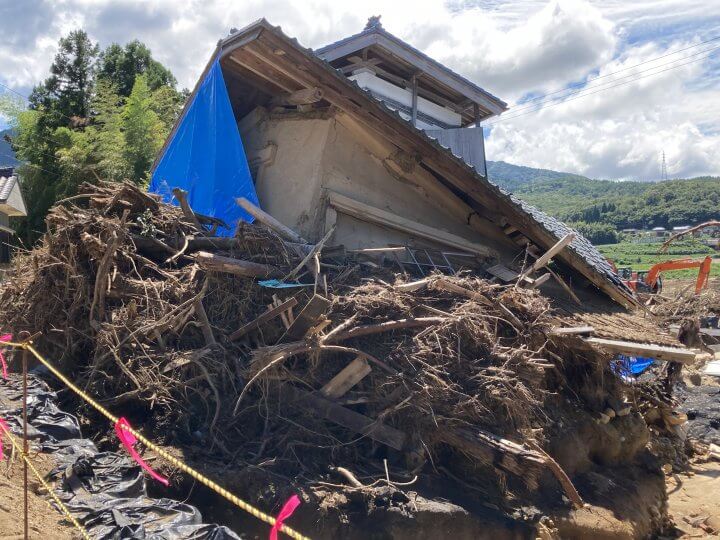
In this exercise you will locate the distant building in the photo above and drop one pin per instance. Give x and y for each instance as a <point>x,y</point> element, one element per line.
<point>12,204</point>
<point>659,231</point>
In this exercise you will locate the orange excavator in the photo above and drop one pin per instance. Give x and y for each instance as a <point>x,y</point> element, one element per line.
<point>650,281</point>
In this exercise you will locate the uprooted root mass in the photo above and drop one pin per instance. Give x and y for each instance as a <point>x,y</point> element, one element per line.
<point>459,367</point>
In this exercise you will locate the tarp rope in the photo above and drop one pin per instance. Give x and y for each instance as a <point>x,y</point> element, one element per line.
<point>159,451</point>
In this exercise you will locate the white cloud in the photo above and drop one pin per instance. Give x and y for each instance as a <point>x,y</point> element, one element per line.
<point>511,48</point>
<point>620,132</point>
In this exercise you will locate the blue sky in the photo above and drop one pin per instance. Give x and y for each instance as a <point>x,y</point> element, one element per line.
<point>515,49</point>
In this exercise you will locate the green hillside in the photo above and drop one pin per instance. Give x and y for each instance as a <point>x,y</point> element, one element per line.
<point>600,208</point>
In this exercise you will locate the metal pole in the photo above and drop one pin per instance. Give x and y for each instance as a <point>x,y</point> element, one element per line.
<point>25,437</point>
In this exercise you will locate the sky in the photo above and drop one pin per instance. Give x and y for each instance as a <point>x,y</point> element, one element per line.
<point>569,69</point>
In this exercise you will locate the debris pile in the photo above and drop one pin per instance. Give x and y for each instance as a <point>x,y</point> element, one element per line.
<point>303,360</point>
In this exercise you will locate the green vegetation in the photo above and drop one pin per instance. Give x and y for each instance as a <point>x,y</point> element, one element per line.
<point>644,256</point>
<point>99,115</point>
<point>601,208</point>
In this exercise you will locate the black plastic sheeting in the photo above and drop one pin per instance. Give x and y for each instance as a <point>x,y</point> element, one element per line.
<point>105,491</point>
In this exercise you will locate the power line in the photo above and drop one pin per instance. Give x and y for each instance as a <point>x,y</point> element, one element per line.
<point>524,107</point>
<point>575,85</point>
<point>499,120</point>
<point>30,164</point>
<point>26,98</point>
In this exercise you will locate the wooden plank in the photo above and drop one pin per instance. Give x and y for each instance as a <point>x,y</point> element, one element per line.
<point>347,418</point>
<point>350,375</point>
<point>263,318</point>
<point>659,352</point>
<point>316,307</point>
<point>238,267</point>
<point>534,284</point>
<point>572,330</point>
<point>549,254</point>
<point>365,212</point>
<point>269,221</point>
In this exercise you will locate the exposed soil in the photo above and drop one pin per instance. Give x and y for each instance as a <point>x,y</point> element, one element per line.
<point>693,500</point>
<point>45,522</point>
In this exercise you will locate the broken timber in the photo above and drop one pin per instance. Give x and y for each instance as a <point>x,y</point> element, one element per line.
<point>310,315</point>
<point>263,318</point>
<point>219,263</point>
<point>269,221</point>
<point>548,255</point>
<point>671,354</point>
<point>350,375</point>
<point>347,418</point>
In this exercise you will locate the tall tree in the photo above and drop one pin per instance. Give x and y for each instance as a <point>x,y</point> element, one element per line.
<point>67,92</point>
<point>121,65</point>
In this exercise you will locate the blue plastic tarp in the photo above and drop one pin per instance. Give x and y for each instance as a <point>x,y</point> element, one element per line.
<point>632,365</point>
<point>205,157</point>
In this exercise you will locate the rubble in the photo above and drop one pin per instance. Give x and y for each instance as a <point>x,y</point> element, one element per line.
<point>336,375</point>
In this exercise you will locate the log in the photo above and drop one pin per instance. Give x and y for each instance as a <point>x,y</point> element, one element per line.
<point>350,375</point>
<point>263,318</point>
<point>659,352</point>
<point>238,267</point>
<point>490,449</point>
<point>269,221</point>
<point>346,418</point>
<point>316,307</point>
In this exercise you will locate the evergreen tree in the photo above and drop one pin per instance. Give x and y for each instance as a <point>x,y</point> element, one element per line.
<point>121,65</point>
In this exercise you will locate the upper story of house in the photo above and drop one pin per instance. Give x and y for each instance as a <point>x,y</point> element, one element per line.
<point>434,98</point>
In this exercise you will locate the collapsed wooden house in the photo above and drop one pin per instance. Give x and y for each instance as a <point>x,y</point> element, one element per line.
<point>370,139</point>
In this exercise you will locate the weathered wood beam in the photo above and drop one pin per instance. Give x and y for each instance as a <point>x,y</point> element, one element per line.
<point>269,221</point>
<point>263,318</point>
<point>309,316</point>
<point>238,267</point>
<point>365,212</point>
<point>659,352</point>
<point>548,255</point>
<point>346,418</point>
<point>348,377</point>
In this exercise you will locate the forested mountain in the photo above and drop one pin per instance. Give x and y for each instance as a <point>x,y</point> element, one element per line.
<point>600,208</point>
<point>512,177</point>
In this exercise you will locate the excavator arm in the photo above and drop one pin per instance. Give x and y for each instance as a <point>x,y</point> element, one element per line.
<point>680,264</point>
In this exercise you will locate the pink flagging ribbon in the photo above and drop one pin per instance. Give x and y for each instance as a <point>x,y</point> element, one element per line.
<point>285,512</point>
<point>128,440</point>
<point>6,337</point>
<point>5,430</point>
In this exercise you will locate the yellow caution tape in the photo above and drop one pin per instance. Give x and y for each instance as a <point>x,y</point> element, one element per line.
<point>159,451</point>
<point>50,491</point>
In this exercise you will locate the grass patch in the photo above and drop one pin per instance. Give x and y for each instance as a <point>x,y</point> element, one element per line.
<point>644,256</point>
